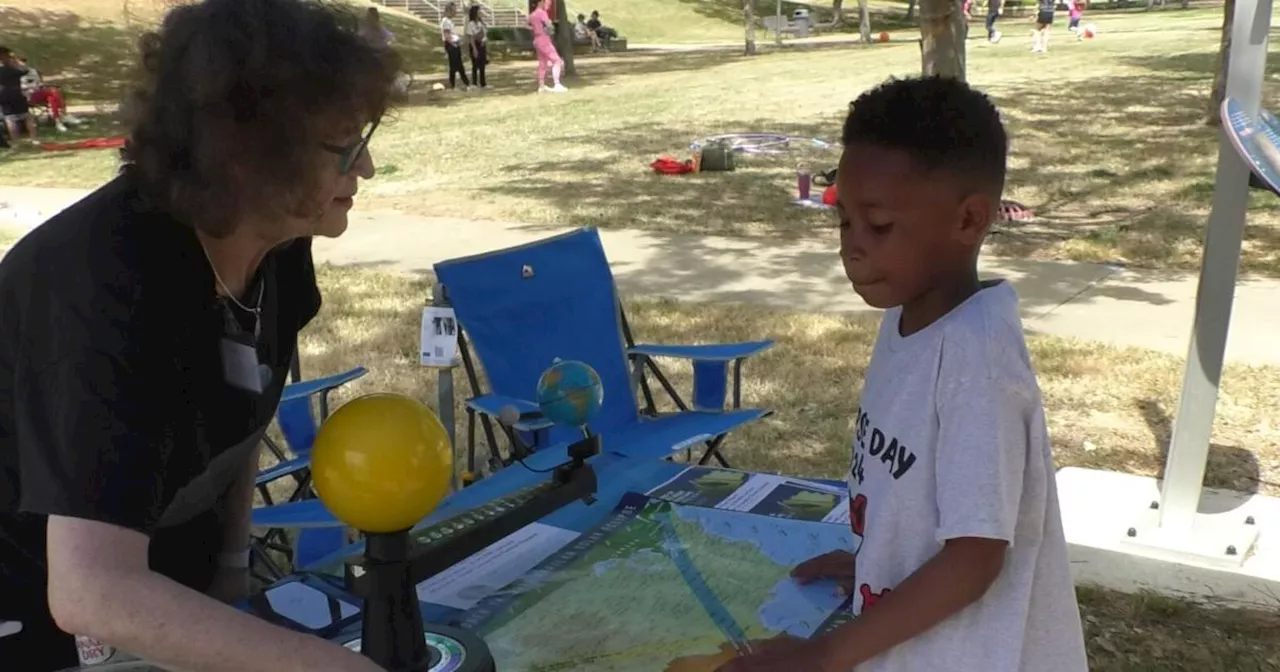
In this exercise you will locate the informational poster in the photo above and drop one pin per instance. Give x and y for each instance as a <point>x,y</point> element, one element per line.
<point>497,565</point>
<point>762,494</point>
<point>439,337</point>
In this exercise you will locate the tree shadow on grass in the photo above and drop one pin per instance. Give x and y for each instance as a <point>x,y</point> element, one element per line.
<point>617,189</point>
<point>1088,149</point>
<point>730,11</point>
<point>1228,467</point>
<point>516,74</point>
<point>1194,66</point>
<point>92,60</point>
<point>1084,153</point>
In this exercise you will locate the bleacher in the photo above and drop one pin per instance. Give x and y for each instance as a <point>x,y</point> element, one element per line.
<point>431,11</point>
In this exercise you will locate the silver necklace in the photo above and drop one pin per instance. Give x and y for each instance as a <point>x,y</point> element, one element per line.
<point>256,310</point>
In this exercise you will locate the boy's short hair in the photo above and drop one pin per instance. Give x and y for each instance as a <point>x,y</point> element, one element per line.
<point>941,122</point>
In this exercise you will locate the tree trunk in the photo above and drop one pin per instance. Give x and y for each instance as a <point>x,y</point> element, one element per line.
<point>943,30</point>
<point>911,9</point>
<point>749,22</point>
<point>564,37</point>
<point>864,21</point>
<point>837,17</point>
<point>1219,91</point>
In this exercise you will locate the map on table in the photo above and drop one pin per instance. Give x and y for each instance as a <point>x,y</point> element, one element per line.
<point>662,586</point>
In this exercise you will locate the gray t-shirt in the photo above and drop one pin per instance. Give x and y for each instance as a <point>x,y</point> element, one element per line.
<point>951,442</point>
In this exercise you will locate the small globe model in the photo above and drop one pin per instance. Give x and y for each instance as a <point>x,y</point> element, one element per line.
<point>570,393</point>
<point>382,462</point>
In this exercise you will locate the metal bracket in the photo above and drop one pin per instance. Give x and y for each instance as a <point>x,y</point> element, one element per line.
<point>1219,540</point>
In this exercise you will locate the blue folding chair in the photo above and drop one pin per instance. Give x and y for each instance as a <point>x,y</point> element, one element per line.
<point>298,424</point>
<point>521,308</point>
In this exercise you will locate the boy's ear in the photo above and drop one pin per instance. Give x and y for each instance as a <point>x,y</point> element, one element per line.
<point>977,212</point>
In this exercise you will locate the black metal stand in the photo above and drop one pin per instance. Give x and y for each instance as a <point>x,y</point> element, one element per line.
<point>1256,182</point>
<point>392,635</point>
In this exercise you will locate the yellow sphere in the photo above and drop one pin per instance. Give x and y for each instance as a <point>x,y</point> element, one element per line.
<point>382,462</point>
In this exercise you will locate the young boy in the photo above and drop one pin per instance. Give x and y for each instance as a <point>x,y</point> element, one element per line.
<point>13,102</point>
<point>1044,25</point>
<point>961,564</point>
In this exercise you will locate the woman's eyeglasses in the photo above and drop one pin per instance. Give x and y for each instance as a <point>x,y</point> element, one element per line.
<point>349,154</point>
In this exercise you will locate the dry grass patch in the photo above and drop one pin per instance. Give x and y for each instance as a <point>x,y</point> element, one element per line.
<point>1151,633</point>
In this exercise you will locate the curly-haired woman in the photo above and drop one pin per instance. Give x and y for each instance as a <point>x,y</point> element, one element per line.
<point>146,333</point>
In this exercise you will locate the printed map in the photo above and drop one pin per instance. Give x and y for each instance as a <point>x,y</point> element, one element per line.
<point>662,586</point>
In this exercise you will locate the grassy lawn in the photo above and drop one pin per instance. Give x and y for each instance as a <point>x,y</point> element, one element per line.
<point>1107,408</point>
<point>1108,144</point>
<point>88,47</point>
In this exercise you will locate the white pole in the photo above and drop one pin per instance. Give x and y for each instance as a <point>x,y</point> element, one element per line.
<point>1193,427</point>
<point>777,33</point>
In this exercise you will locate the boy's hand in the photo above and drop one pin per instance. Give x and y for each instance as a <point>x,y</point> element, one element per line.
<point>783,652</point>
<point>835,565</point>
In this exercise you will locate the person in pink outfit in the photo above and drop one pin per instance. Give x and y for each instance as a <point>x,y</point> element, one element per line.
<point>540,23</point>
<point>1075,10</point>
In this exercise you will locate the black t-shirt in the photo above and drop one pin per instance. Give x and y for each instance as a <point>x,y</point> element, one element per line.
<point>11,85</point>
<point>113,402</point>
<point>1047,6</point>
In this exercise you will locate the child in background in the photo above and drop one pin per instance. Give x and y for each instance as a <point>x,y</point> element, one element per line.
<point>1075,10</point>
<point>583,33</point>
<point>478,43</point>
<point>961,560</point>
<point>372,30</point>
<point>540,23</point>
<point>1044,23</point>
<point>453,48</point>
<point>39,93</point>
<point>994,9</point>
<point>14,108</point>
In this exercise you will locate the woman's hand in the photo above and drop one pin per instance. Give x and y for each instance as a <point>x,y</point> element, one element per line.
<point>835,565</point>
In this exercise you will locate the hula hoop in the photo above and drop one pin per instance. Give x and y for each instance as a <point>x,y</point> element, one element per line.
<point>758,143</point>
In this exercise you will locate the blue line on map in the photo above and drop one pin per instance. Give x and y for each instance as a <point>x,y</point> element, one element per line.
<point>710,603</point>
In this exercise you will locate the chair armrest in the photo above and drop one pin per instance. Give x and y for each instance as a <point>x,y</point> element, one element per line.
<point>531,419</point>
<point>309,388</point>
<point>718,352</point>
<point>306,514</point>
<point>710,366</point>
<point>282,469</point>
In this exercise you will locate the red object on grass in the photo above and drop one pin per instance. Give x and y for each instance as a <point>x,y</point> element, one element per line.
<point>91,143</point>
<point>829,196</point>
<point>670,166</point>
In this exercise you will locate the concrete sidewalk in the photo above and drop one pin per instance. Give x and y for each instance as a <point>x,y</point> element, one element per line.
<point>1147,309</point>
